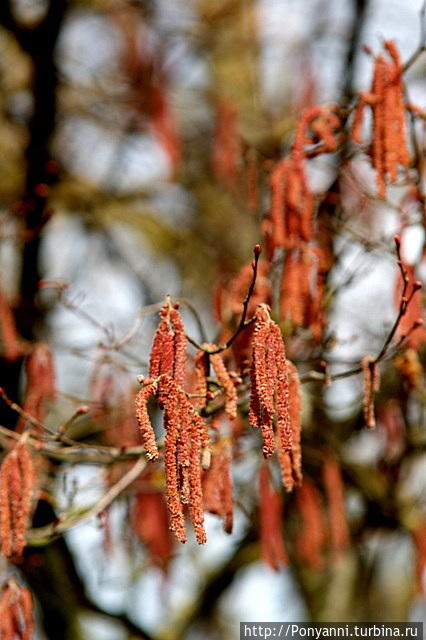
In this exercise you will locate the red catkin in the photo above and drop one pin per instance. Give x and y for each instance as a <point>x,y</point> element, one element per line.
<point>8,332</point>
<point>312,536</point>
<point>338,525</point>
<point>16,612</point>
<point>17,486</point>
<point>40,385</point>
<point>217,486</point>
<point>269,395</point>
<point>149,521</point>
<point>273,551</point>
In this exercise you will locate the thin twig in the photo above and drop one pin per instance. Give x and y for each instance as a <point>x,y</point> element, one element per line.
<point>422,44</point>
<point>243,324</point>
<point>42,535</point>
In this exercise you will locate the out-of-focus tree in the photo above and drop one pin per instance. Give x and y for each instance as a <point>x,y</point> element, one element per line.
<point>146,148</point>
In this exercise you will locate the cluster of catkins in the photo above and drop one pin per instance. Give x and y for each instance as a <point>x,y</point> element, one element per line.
<point>389,148</point>
<point>198,471</point>
<point>289,226</point>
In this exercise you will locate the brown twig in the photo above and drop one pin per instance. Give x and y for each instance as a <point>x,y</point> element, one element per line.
<point>43,535</point>
<point>421,48</point>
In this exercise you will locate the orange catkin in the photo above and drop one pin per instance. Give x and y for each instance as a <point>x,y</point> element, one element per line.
<point>269,395</point>
<point>168,352</point>
<point>273,551</point>
<point>40,384</point>
<point>185,446</point>
<point>226,382</point>
<point>147,83</point>
<point>17,485</point>
<point>291,461</point>
<point>290,219</point>
<point>389,148</point>
<point>149,521</point>
<point>419,539</point>
<point>227,145</point>
<point>312,536</point>
<point>16,612</point>
<point>9,335</point>
<point>217,487</point>
<point>338,525</point>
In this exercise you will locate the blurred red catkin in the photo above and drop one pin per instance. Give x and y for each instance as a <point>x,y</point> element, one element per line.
<point>226,145</point>
<point>200,386</point>
<point>17,486</point>
<point>187,442</point>
<point>229,295</point>
<point>150,523</point>
<point>337,522</point>
<point>8,332</point>
<point>389,148</point>
<point>295,289</point>
<point>272,547</point>
<point>217,486</point>
<point>312,536</point>
<point>16,612</point>
<point>148,91</point>
<point>40,385</point>
<point>419,539</point>
<point>290,219</point>
<point>391,420</point>
<point>371,374</point>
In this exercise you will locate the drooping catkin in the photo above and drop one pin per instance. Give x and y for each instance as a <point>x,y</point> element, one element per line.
<point>150,523</point>
<point>302,288</point>
<point>17,486</point>
<point>411,323</point>
<point>392,423</point>
<point>389,148</point>
<point>312,535</point>
<point>419,539</point>
<point>40,385</point>
<point>149,388</point>
<point>337,521</point>
<point>269,394</point>
<point>16,612</point>
<point>201,371</point>
<point>252,180</point>
<point>168,352</point>
<point>225,381</point>
<point>148,93</point>
<point>291,461</point>
<point>272,547</point>
<point>186,443</point>
<point>227,144</point>
<point>217,486</point>
<point>290,221</point>
<point>11,347</point>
